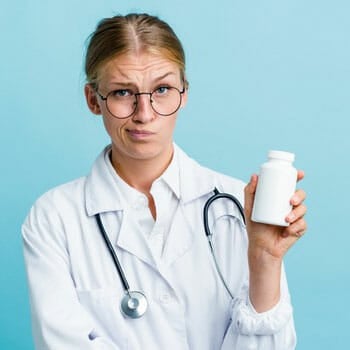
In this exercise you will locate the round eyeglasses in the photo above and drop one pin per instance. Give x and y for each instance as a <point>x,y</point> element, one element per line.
<point>122,103</point>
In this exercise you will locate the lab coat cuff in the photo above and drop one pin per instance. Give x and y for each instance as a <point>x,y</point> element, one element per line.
<point>248,321</point>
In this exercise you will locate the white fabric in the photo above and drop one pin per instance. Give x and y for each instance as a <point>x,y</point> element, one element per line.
<point>75,290</point>
<point>165,192</point>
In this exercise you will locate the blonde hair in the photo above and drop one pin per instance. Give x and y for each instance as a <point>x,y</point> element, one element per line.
<point>135,33</point>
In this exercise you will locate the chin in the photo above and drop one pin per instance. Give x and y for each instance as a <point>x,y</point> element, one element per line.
<point>145,152</point>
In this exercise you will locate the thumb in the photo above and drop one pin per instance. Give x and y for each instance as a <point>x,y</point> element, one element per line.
<point>249,194</point>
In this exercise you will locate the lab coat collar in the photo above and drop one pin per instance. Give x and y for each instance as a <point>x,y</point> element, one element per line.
<point>171,175</point>
<point>194,179</point>
<point>102,193</point>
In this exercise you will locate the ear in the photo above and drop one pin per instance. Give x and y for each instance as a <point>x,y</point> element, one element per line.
<point>91,99</point>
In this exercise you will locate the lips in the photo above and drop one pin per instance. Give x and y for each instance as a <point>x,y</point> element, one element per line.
<point>139,134</point>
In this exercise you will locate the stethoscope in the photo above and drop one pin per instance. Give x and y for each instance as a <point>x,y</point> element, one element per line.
<point>134,303</point>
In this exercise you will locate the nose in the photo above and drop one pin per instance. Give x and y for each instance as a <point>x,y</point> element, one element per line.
<point>144,112</point>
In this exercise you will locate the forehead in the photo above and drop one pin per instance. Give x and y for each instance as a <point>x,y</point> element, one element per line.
<point>137,67</point>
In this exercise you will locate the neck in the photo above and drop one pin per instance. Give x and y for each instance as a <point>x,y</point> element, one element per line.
<point>140,173</point>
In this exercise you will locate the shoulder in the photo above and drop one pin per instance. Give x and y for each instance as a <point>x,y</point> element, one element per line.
<point>202,180</point>
<point>226,183</point>
<point>65,198</point>
<point>68,192</point>
<point>71,196</point>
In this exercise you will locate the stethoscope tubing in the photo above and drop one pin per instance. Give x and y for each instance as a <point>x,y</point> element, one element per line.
<point>218,195</point>
<point>117,264</point>
<point>209,202</point>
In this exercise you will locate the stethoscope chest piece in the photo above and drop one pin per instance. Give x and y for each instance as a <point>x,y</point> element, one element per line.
<point>134,304</point>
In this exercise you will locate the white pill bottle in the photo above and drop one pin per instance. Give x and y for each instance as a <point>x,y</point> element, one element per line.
<point>276,186</point>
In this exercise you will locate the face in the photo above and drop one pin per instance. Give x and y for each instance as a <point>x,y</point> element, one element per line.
<point>145,134</point>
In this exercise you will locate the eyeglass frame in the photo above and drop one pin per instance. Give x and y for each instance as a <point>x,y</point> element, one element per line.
<point>136,94</point>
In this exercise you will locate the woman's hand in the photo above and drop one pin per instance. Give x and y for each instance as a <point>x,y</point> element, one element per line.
<point>267,246</point>
<point>275,240</point>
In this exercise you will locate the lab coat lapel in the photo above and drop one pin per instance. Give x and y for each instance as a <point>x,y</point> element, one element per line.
<point>180,238</point>
<point>194,184</point>
<point>132,239</point>
<point>195,180</point>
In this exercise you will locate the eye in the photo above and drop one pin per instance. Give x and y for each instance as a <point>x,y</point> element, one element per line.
<point>122,93</point>
<point>162,90</point>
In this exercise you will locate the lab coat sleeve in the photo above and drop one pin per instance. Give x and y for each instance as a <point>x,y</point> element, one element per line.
<point>270,330</point>
<point>58,319</point>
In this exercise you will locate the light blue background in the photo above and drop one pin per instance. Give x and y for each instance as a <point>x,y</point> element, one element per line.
<point>263,75</point>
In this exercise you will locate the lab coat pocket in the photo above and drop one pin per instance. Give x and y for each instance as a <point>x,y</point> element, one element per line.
<point>103,306</point>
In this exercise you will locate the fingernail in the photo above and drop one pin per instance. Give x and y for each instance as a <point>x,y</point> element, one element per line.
<point>290,217</point>
<point>295,199</point>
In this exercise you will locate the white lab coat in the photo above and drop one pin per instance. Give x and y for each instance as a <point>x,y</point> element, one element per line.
<point>75,290</point>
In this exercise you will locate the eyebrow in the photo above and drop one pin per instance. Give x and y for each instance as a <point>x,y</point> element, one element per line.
<point>164,76</point>
<point>131,83</point>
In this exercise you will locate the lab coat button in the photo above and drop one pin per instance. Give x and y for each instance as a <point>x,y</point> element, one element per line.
<point>165,298</point>
<point>140,202</point>
<point>158,239</point>
<point>159,230</point>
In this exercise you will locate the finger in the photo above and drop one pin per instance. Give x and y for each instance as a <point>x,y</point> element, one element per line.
<point>297,229</point>
<point>298,197</point>
<point>297,213</point>
<point>249,193</point>
<point>299,234</point>
<point>300,175</point>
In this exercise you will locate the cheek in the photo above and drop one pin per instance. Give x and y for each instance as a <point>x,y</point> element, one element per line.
<point>171,123</point>
<point>113,126</point>
<point>169,127</point>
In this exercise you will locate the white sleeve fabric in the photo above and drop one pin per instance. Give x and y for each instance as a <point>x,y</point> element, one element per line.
<point>58,319</point>
<point>270,330</point>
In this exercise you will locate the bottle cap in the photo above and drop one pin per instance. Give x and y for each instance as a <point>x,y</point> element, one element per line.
<point>282,155</point>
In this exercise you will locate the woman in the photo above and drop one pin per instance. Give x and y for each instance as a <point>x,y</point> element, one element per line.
<point>148,196</point>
